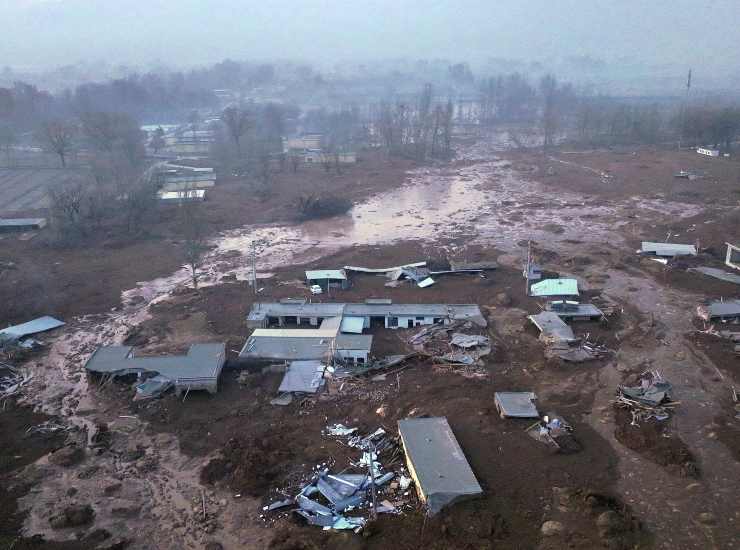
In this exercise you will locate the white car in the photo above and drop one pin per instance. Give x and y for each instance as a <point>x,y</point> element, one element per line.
<point>316,289</point>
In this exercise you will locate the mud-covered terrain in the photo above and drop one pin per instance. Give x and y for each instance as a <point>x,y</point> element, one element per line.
<point>184,473</point>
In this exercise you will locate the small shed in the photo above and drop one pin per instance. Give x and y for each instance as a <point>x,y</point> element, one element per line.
<point>437,463</point>
<point>668,250</point>
<point>325,278</point>
<point>10,225</point>
<point>512,404</point>
<point>554,287</point>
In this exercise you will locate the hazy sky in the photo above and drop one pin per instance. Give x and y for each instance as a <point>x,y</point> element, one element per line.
<point>42,33</point>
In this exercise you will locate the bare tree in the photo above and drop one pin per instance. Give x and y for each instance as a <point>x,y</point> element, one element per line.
<point>157,142</point>
<point>192,228</point>
<point>549,90</point>
<point>7,140</point>
<point>237,123</point>
<point>194,121</point>
<point>59,137</point>
<point>65,206</point>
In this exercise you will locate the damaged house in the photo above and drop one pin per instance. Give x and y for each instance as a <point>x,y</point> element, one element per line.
<point>733,256</point>
<point>199,369</point>
<point>383,313</point>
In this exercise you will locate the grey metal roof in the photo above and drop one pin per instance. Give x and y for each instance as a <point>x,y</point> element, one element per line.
<point>668,249</point>
<point>42,324</point>
<point>727,308</point>
<point>471,312</point>
<point>437,463</point>
<point>203,361</point>
<point>516,404</point>
<point>303,377</point>
<point>720,274</point>
<point>573,310</point>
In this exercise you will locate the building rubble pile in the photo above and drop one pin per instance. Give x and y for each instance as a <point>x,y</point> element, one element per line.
<point>445,344</point>
<point>582,351</point>
<point>651,399</point>
<point>347,500</point>
<point>12,380</point>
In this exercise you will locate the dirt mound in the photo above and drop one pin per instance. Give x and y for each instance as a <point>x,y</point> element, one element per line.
<point>250,465</point>
<point>653,440</point>
<point>583,518</point>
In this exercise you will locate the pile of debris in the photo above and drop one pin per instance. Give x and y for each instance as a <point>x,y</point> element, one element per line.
<point>445,344</point>
<point>11,381</point>
<point>346,500</point>
<point>553,430</point>
<point>651,399</point>
<point>560,341</point>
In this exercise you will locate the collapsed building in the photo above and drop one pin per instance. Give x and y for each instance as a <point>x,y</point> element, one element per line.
<point>199,369</point>
<point>373,312</point>
<point>334,330</point>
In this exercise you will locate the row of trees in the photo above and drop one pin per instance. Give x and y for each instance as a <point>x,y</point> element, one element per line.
<point>419,130</point>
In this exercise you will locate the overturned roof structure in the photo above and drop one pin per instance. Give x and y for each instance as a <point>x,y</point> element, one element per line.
<point>437,463</point>
<point>554,287</point>
<point>198,370</point>
<point>667,249</point>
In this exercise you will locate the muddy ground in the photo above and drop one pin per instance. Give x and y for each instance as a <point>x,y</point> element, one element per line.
<point>627,487</point>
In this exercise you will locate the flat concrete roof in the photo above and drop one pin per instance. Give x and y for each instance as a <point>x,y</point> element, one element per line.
<point>437,463</point>
<point>334,274</point>
<point>201,362</point>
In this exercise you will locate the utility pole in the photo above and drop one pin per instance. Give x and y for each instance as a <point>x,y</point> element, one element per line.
<point>683,110</point>
<point>254,267</point>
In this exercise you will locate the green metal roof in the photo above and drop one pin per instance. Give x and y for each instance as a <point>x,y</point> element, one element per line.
<point>555,287</point>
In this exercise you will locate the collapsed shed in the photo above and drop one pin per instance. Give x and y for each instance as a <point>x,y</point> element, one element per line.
<point>574,311</point>
<point>199,369</point>
<point>437,463</point>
